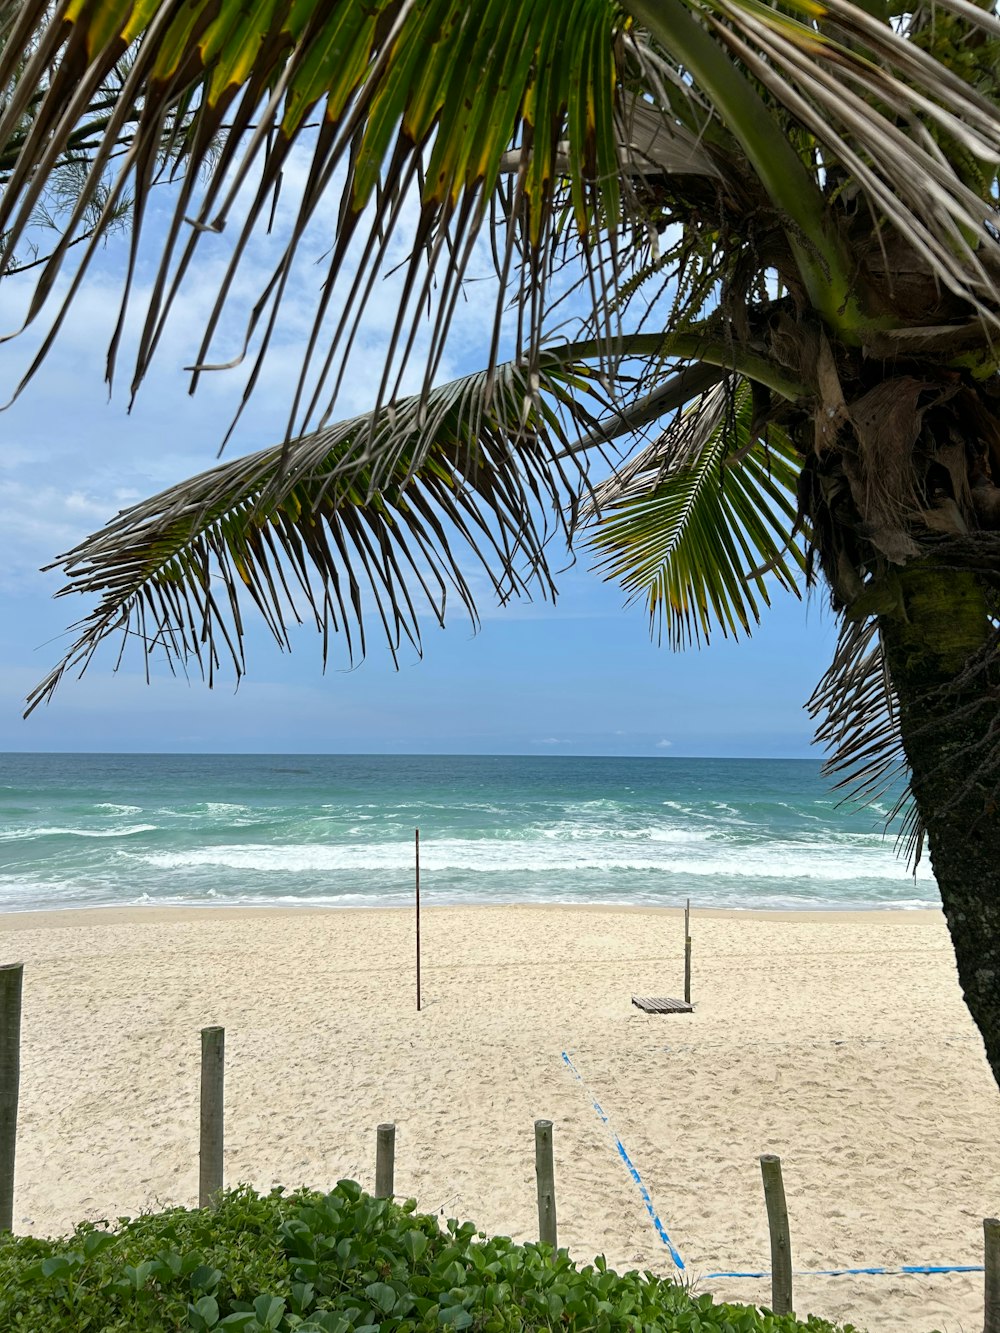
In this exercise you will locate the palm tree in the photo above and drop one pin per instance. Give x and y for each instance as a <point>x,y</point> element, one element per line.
<point>777,220</point>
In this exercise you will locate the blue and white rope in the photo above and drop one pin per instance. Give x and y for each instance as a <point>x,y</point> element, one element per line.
<point>873,1270</point>
<point>910,1269</point>
<point>661,1230</point>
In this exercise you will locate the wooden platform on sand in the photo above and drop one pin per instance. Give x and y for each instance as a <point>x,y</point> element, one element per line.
<point>661,1004</point>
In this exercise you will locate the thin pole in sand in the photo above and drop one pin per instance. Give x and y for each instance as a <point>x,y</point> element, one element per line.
<point>777,1225</point>
<point>213,1064</point>
<point>991,1315</point>
<point>545,1178</point>
<point>385,1161</point>
<point>687,952</point>
<point>11,975</point>
<point>416,849</point>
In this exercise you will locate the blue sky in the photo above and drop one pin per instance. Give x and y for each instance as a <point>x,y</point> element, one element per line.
<point>582,677</point>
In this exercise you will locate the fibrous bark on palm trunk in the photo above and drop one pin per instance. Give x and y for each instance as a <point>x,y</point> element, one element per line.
<point>940,648</point>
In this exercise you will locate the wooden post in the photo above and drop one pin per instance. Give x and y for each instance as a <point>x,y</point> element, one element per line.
<point>545,1178</point>
<point>777,1225</point>
<point>385,1161</point>
<point>991,1314</point>
<point>416,841</point>
<point>11,975</point>
<point>687,952</point>
<point>213,1063</point>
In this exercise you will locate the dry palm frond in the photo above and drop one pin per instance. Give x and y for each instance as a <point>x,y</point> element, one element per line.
<point>898,160</point>
<point>687,383</point>
<point>860,728</point>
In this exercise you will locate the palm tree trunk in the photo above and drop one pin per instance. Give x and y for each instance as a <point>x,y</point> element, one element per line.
<point>948,717</point>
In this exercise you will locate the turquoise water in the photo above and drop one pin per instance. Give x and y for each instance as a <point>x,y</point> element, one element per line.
<point>96,830</point>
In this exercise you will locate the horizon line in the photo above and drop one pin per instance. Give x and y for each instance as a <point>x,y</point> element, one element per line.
<point>412,754</point>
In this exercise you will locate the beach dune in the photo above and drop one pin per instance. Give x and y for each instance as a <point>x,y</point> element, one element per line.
<point>837,1040</point>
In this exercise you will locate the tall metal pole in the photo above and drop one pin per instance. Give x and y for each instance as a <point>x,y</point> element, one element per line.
<point>416,833</point>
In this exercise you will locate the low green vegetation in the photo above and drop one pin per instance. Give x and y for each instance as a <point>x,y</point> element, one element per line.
<point>336,1263</point>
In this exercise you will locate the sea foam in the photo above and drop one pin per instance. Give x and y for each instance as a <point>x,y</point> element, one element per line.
<point>88,830</point>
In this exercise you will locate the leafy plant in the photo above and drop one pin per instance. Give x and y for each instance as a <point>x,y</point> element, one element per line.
<point>341,1262</point>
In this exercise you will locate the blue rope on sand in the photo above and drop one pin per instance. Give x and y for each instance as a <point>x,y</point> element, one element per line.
<point>875,1270</point>
<point>851,1272</point>
<point>661,1230</point>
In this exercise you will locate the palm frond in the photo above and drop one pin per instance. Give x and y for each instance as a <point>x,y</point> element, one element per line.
<point>695,522</point>
<point>859,728</point>
<point>395,103</point>
<point>369,520</point>
<point>648,144</point>
<point>69,178</point>
<point>426,115</point>
<point>902,124</point>
<point>668,396</point>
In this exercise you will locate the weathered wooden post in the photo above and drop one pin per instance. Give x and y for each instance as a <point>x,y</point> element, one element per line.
<point>416,852</point>
<point>687,952</point>
<point>777,1225</point>
<point>545,1178</point>
<point>11,975</point>
<point>213,1063</point>
<point>385,1161</point>
<point>991,1312</point>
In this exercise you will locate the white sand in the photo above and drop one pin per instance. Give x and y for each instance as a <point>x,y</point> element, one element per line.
<point>839,1041</point>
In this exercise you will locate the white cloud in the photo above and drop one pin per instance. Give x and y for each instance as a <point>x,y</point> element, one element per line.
<point>664,745</point>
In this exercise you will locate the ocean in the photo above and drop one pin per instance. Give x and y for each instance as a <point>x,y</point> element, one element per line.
<point>89,830</point>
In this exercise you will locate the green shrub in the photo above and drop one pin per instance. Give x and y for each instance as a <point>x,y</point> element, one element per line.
<point>336,1263</point>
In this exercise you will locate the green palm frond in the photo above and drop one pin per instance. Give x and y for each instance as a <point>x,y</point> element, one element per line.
<point>697,520</point>
<point>371,520</point>
<point>394,103</point>
<point>426,115</point>
<point>69,178</point>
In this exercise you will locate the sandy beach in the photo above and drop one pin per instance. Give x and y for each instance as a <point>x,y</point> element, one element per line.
<point>837,1040</point>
